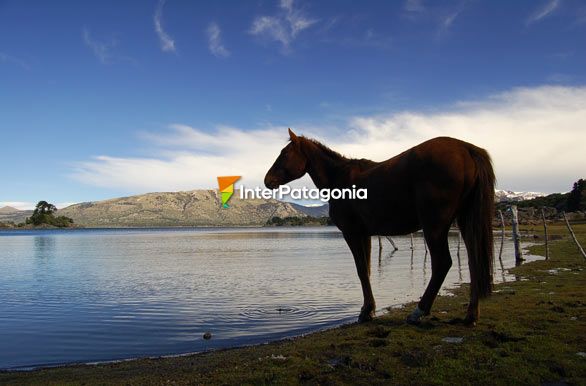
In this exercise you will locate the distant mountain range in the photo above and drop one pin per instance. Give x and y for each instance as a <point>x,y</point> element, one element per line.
<point>194,208</point>
<point>508,195</point>
<point>190,208</point>
<point>314,210</point>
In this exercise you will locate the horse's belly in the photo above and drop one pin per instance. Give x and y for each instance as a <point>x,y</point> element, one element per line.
<point>386,224</point>
<point>383,219</point>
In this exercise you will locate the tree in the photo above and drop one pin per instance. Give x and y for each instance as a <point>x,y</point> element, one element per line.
<point>43,207</point>
<point>576,198</point>
<point>43,214</point>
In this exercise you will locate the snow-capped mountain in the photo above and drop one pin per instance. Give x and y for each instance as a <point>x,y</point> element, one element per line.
<point>509,195</point>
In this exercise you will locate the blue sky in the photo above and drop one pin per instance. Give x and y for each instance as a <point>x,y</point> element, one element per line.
<point>102,99</point>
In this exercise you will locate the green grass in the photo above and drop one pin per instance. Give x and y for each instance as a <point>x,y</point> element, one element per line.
<point>529,332</point>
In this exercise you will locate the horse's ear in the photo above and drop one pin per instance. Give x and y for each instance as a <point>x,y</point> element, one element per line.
<point>292,136</point>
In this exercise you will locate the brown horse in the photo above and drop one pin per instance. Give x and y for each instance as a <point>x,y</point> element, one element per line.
<point>426,187</point>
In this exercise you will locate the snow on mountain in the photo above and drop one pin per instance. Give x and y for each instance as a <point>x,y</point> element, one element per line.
<point>509,195</point>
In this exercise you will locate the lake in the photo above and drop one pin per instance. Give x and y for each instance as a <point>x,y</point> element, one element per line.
<point>90,295</point>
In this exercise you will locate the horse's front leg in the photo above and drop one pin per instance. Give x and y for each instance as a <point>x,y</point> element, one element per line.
<point>360,247</point>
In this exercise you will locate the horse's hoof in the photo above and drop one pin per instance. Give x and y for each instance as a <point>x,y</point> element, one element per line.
<point>456,321</point>
<point>470,322</point>
<point>415,317</point>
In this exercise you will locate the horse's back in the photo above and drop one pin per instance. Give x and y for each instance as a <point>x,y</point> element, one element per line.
<point>434,176</point>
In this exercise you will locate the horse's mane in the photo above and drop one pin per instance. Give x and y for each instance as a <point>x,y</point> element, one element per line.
<point>326,150</point>
<point>362,163</point>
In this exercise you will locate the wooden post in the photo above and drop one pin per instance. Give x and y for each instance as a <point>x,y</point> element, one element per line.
<point>458,255</point>
<point>502,234</point>
<point>516,236</point>
<point>392,242</point>
<point>573,235</point>
<point>380,250</point>
<point>545,234</point>
<point>411,241</point>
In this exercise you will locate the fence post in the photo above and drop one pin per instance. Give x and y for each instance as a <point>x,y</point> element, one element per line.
<point>573,235</point>
<point>516,236</point>
<point>502,233</point>
<point>545,234</point>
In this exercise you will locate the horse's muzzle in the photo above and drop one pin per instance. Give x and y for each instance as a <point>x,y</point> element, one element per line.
<point>271,182</point>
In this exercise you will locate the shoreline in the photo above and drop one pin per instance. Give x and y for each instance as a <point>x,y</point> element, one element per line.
<point>546,300</point>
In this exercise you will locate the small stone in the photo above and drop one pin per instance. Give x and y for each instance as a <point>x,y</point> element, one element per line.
<point>581,354</point>
<point>453,339</point>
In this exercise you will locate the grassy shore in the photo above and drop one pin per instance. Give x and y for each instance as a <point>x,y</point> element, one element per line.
<point>531,331</point>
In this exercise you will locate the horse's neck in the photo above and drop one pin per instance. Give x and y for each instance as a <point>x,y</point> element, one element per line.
<point>325,170</point>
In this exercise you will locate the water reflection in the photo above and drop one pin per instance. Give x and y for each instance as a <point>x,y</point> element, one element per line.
<point>44,247</point>
<point>92,295</point>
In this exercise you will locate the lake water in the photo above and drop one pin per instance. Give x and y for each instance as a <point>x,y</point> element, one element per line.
<point>97,295</point>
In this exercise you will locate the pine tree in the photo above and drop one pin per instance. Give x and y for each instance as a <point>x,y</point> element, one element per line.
<point>575,201</point>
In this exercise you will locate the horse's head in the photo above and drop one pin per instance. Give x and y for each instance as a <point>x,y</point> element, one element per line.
<point>290,164</point>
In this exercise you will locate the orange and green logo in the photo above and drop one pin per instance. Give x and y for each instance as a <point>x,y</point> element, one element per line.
<point>226,184</point>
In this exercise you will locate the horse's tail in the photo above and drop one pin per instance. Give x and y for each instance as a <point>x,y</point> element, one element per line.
<point>475,223</point>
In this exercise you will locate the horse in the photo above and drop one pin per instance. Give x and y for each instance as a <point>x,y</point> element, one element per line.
<point>427,187</point>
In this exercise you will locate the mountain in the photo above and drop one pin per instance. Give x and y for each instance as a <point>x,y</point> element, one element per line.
<point>508,195</point>
<point>190,208</point>
<point>8,209</point>
<point>314,211</point>
<point>10,214</point>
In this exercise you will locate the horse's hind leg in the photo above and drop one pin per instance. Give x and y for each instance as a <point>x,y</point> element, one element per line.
<point>472,313</point>
<point>441,261</point>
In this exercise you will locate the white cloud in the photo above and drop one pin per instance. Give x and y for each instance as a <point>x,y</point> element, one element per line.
<point>167,43</point>
<point>215,44</point>
<point>543,11</point>
<point>20,205</point>
<point>283,27</point>
<point>535,136</point>
<point>24,205</point>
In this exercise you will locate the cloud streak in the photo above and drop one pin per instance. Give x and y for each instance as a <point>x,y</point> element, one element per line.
<point>215,44</point>
<point>415,6</point>
<point>443,16</point>
<point>535,136</point>
<point>543,11</point>
<point>5,58</point>
<point>102,51</point>
<point>283,27</point>
<point>167,43</point>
